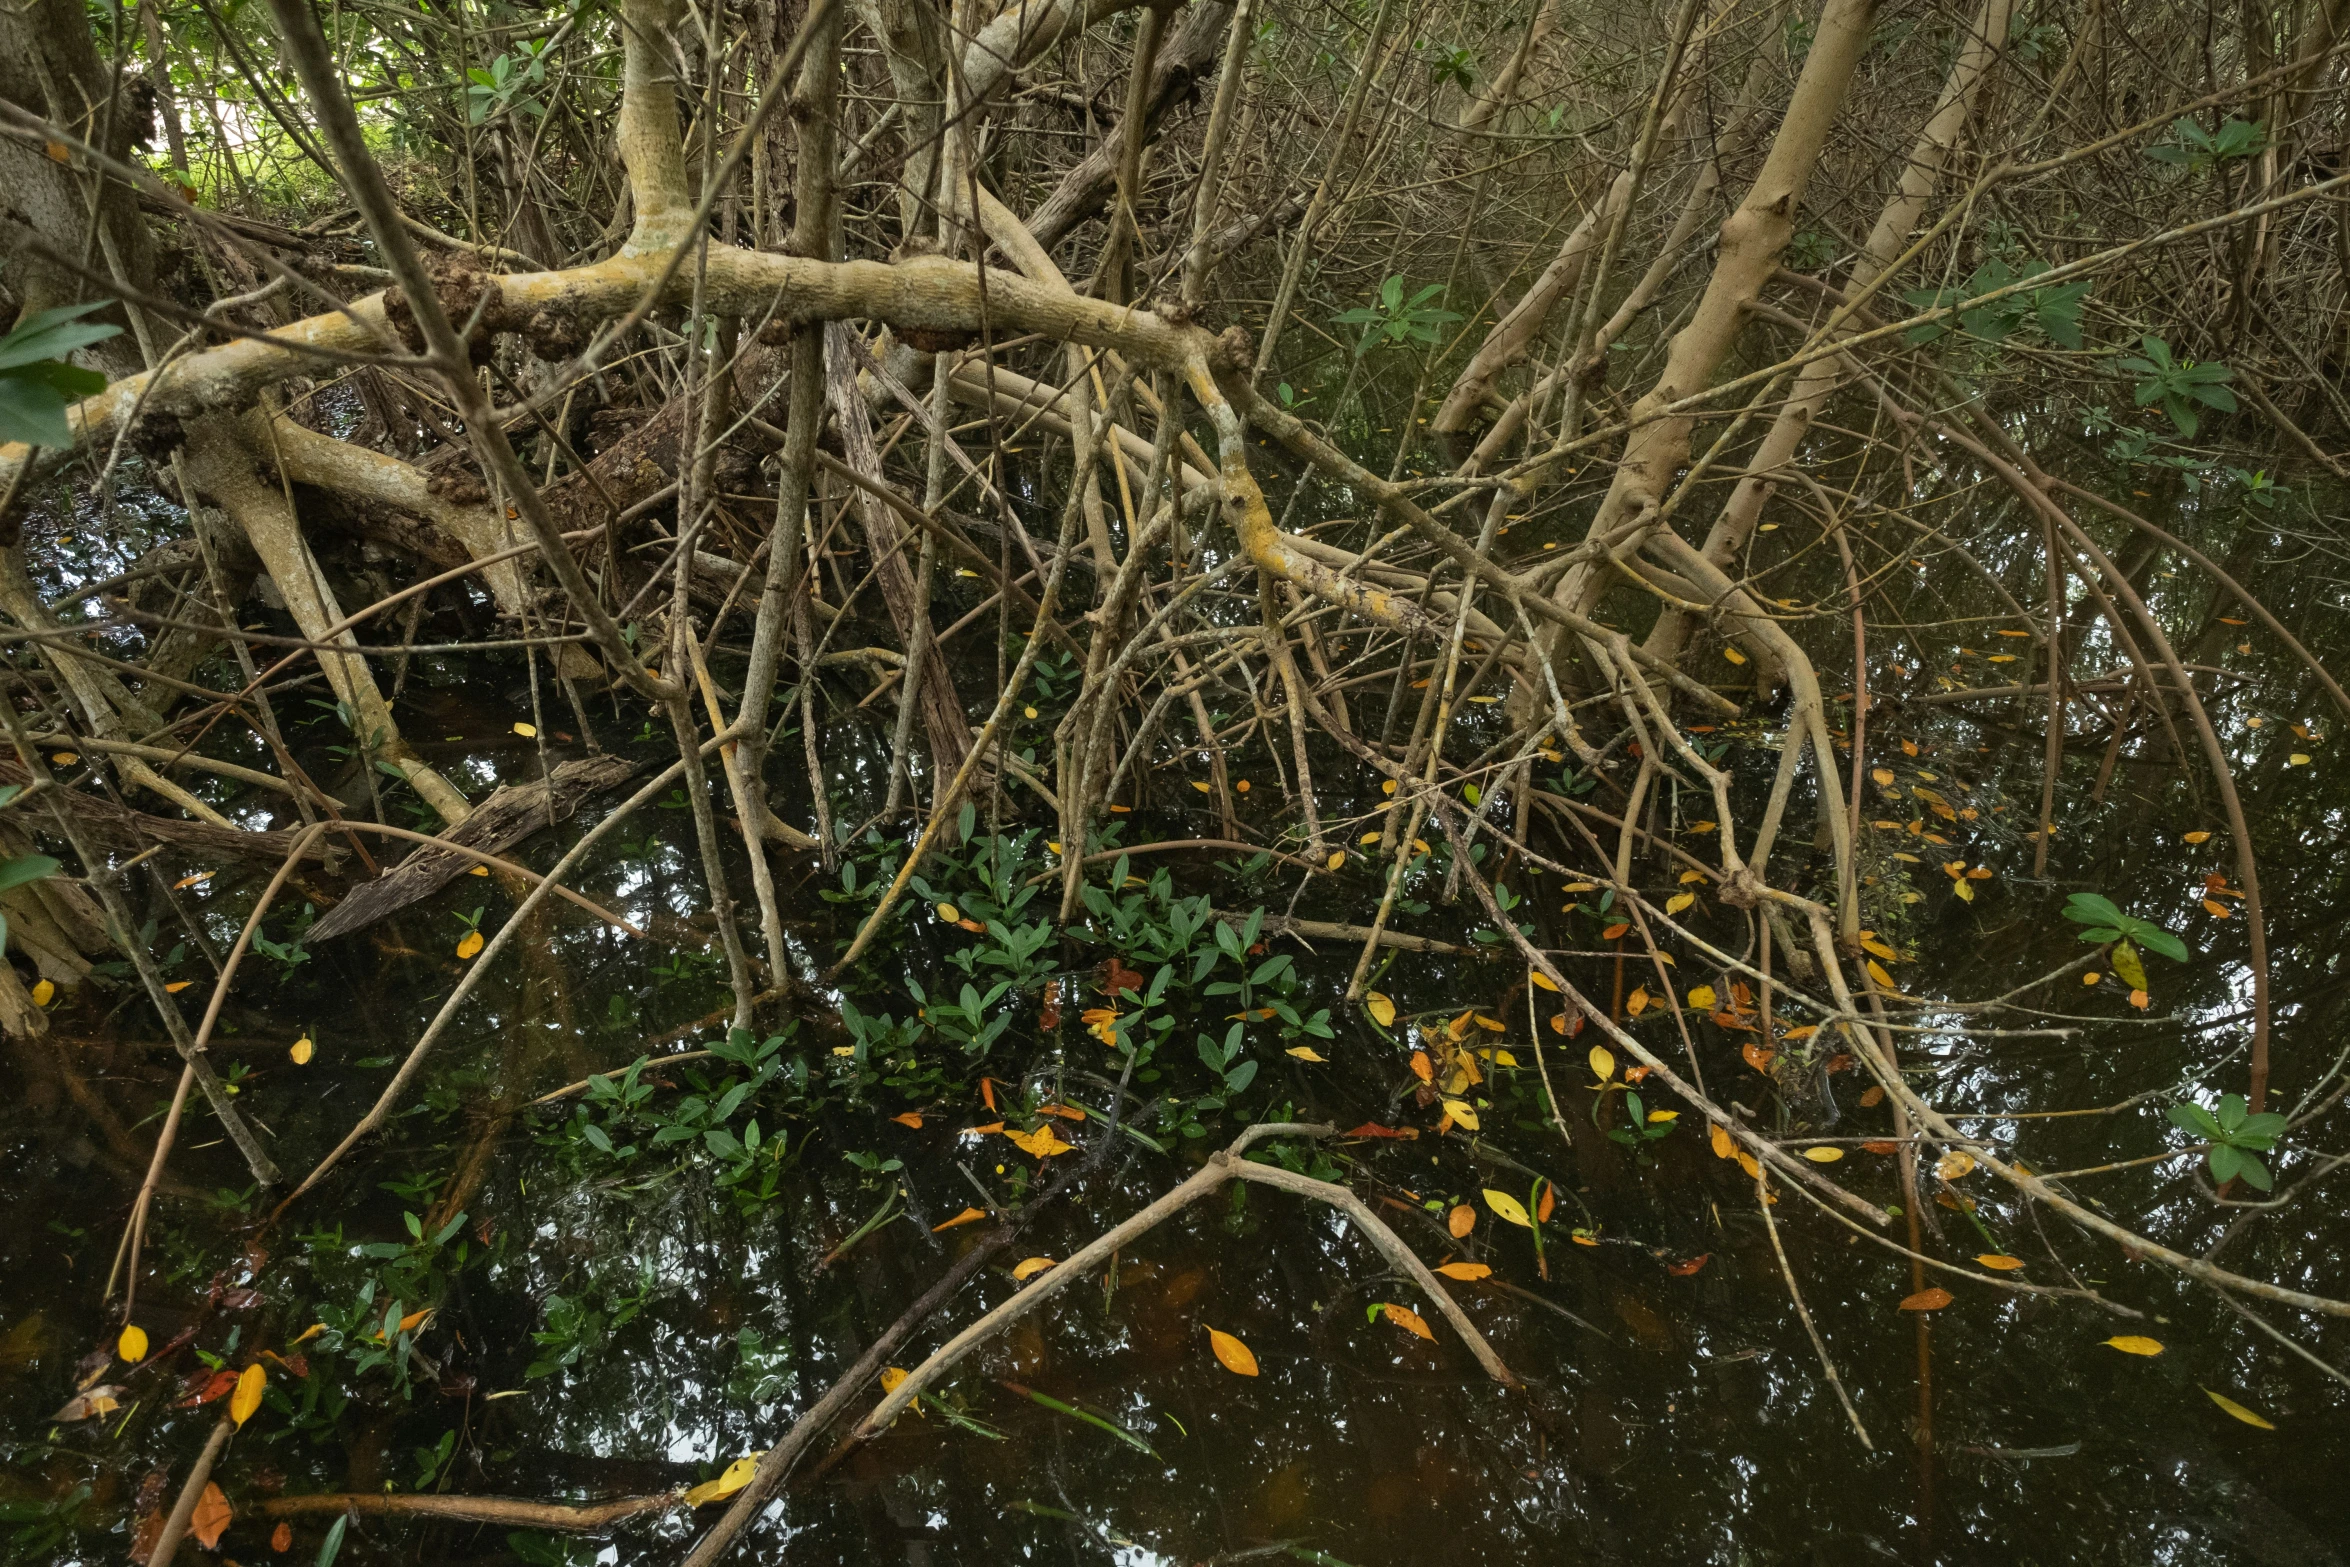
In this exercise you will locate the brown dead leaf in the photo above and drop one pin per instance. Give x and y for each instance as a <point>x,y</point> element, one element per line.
<point>1461,1220</point>
<point>1927,1299</point>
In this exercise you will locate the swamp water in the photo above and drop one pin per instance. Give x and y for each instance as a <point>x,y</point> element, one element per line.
<point>629,1290</point>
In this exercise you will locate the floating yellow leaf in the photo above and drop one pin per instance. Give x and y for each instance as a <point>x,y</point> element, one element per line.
<point>1232,1353</point>
<point>43,992</point>
<point>909,1118</point>
<point>1679,901</point>
<point>949,913</point>
<point>891,1376</point>
<point>1465,1270</point>
<point>132,1346</point>
<point>1703,998</point>
<point>1381,1009</point>
<point>1689,876</point>
<point>303,1050</point>
<point>527,731</point>
<point>1869,943</point>
<point>1954,1164</point>
<point>1203,788</point>
<point>2198,837</point>
<point>1031,1268</point>
<point>1508,1209</point>
<point>1461,1113</point>
<point>247,1398</point>
<point>1336,860</point>
<point>1724,1145</point>
<point>2135,1344</point>
<point>1603,1062</point>
<point>1733,655</point>
<point>1541,980</point>
<point>65,758</point>
<point>2126,963</point>
<point>738,1474</point>
<point>1884,981</point>
<point>1933,1299</point>
<point>1883,775</point>
<point>2297,759</point>
<point>1461,1221</point>
<point>1410,1322</point>
<point>1042,1143</point>
<point>1820,1154</point>
<point>1307,1053</point>
<point>1663,1117</point>
<point>1965,891</point>
<point>479,870</point>
<point>470,945</point>
<point>1504,1058</point>
<point>1999,1262</point>
<point>967,1216</point>
<point>2228,1404</point>
<point>176,986</point>
<point>1637,1002</point>
<point>201,877</point>
<point>307,1334</point>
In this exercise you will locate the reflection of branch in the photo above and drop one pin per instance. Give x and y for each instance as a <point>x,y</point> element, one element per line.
<point>558,1517</point>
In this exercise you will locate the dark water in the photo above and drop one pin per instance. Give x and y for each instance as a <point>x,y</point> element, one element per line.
<point>628,1297</point>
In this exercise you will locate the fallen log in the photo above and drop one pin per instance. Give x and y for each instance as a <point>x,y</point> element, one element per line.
<point>511,813</point>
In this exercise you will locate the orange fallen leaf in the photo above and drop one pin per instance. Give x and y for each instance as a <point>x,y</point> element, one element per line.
<point>1998,1262</point>
<point>1409,1321</point>
<point>211,1518</point>
<point>1461,1220</point>
<point>1465,1270</point>
<point>1232,1353</point>
<point>967,1216</point>
<point>1682,1270</point>
<point>281,1538</point>
<point>1423,1068</point>
<point>1031,1268</point>
<point>1615,931</point>
<point>912,1118</point>
<point>470,945</point>
<point>1880,1145</point>
<point>1756,1056</point>
<point>1927,1299</point>
<point>1042,1143</point>
<point>176,986</point>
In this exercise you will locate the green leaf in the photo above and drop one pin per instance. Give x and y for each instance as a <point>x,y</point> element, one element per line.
<point>2092,908</point>
<point>52,334</point>
<point>2196,1121</point>
<point>24,868</point>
